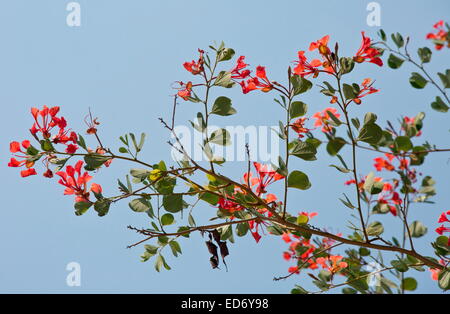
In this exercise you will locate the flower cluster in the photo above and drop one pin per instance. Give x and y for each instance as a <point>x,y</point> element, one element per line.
<point>48,129</point>
<point>264,177</point>
<point>323,119</point>
<point>440,37</point>
<point>304,250</point>
<point>76,182</point>
<point>444,218</point>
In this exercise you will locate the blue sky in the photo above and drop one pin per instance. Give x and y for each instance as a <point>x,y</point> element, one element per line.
<point>121,63</point>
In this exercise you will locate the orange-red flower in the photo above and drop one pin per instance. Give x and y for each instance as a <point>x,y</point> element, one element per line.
<point>305,68</point>
<point>332,263</point>
<point>323,119</point>
<point>195,67</point>
<point>76,182</point>
<point>45,120</point>
<point>185,90</point>
<point>15,148</point>
<point>299,127</point>
<point>367,53</point>
<point>381,163</point>
<point>266,176</point>
<point>321,45</point>
<point>239,71</point>
<point>260,82</point>
<point>441,37</point>
<point>365,89</point>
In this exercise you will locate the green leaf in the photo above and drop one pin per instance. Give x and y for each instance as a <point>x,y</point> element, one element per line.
<point>81,142</point>
<point>173,203</point>
<point>140,205</point>
<point>223,79</point>
<point>167,219</point>
<point>382,34</point>
<point>152,249</point>
<point>403,143</point>
<point>375,228</point>
<point>439,105</point>
<point>395,62</point>
<point>349,92</point>
<point>160,262</point>
<point>222,107</point>
<point>225,54</point>
<point>444,279</point>
<point>304,150</point>
<point>298,180</point>
<point>409,284</point>
<point>102,206</point>
<point>242,229</point>
<point>445,78</point>
<point>398,40</point>
<point>139,175</point>
<point>335,145</point>
<point>300,84</point>
<point>370,118</point>
<point>417,80</point>
<point>370,133</point>
<point>347,64</point>
<point>94,161</point>
<point>400,265</point>
<point>210,198</point>
<point>417,229</point>
<point>47,146</point>
<point>424,54</point>
<point>220,137</point>
<point>298,109</point>
<point>82,207</point>
<point>175,247</point>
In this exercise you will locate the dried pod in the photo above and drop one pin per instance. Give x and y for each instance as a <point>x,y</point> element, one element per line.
<point>223,249</point>
<point>216,235</point>
<point>212,248</point>
<point>214,262</point>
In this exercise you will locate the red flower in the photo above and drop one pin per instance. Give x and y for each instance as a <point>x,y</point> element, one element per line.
<point>381,163</point>
<point>46,120</point>
<point>15,148</point>
<point>323,119</point>
<point>304,68</point>
<point>28,172</point>
<point>442,229</point>
<point>75,182</point>
<point>440,38</point>
<point>185,90</point>
<point>229,205</point>
<point>365,89</point>
<point>238,71</point>
<point>286,237</point>
<point>265,177</point>
<point>299,128</point>
<point>260,82</point>
<point>195,67</point>
<point>294,269</point>
<point>321,45</point>
<point>367,53</point>
<point>443,217</point>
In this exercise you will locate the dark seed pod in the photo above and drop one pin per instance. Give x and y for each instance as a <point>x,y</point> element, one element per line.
<point>216,235</point>
<point>223,249</point>
<point>212,248</point>
<point>214,262</point>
